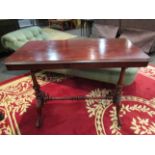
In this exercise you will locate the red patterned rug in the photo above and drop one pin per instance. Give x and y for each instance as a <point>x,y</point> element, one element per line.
<point>17,103</point>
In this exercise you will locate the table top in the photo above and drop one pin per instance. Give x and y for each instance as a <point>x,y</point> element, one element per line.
<point>77,53</point>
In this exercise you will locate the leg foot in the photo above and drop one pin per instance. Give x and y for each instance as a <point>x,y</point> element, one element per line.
<point>117,95</point>
<point>40,97</point>
<point>116,101</point>
<point>118,118</point>
<point>38,123</point>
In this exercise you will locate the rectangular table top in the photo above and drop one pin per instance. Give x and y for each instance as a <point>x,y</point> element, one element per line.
<point>77,53</point>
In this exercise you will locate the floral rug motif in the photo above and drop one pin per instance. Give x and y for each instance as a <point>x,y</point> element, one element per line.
<point>17,103</point>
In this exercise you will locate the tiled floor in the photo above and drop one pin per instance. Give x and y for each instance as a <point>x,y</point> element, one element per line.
<point>4,74</point>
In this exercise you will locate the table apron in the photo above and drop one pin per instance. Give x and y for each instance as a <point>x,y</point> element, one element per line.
<point>75,66</point>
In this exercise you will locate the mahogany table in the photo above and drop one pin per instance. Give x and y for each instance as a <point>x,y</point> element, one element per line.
<point>77,53</point>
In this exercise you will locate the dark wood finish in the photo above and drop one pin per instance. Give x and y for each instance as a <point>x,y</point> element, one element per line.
<point>117,94</point>
<point>78,53</point>
<point>40,96</point>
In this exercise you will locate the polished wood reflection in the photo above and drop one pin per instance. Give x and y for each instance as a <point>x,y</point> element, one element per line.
<point>77,53</point>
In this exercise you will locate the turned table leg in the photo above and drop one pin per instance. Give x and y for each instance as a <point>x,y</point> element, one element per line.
<point>39,97</point>
<point>117,94</point>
